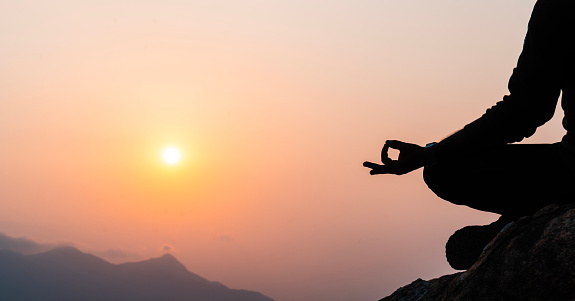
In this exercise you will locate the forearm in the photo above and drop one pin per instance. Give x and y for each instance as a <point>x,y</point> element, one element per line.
<point>503,123</point>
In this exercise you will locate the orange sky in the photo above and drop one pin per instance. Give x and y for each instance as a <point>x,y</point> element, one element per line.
<point>274,106</point>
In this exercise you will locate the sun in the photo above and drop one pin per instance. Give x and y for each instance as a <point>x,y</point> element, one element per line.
<point>171,155</point>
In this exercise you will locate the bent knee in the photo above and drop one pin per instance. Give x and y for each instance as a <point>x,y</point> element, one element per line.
<point>434,177</point>
<point>442,182</point>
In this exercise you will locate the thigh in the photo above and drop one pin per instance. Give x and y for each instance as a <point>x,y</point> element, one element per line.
<point>515,179</point>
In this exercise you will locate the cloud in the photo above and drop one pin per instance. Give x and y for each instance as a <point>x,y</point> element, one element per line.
<point>167,248</point>
<point>226,238</point>
<point>25,245</point>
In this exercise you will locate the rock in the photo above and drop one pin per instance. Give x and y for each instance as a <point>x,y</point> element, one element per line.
<point>532,258</point>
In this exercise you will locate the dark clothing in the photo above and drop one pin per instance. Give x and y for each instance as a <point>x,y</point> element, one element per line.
<point>478,168</point>
<point>513,180</point>
<point>545,67</point>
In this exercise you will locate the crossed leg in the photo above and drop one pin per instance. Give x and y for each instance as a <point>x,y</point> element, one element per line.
<point>514,180</point>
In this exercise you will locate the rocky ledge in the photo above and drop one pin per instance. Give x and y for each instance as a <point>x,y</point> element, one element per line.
<point>530,259</point>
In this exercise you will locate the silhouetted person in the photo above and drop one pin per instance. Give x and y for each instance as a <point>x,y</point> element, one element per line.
<point>479,167</point>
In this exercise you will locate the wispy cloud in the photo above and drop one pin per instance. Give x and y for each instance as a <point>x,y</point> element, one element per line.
<point>226,238</point>
<point>166,248</point>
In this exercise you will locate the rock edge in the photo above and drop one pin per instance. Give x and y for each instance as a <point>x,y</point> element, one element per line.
<point>532,258</point>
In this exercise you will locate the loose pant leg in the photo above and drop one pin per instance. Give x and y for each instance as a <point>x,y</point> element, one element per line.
<point>513,180</point>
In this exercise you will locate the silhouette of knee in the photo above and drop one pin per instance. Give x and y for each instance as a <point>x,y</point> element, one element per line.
<point>440,181</point>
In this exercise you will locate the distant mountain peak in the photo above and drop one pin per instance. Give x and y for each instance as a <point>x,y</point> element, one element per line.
<point>65,250</point>
<point>66,273</point>
<point>166,263</point>
<point>170,260</point>
<point>166,258</point>
<point>68,254</point>
<point>169,256</point>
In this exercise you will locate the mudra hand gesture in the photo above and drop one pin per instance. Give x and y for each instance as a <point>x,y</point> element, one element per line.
<point>411,157</point>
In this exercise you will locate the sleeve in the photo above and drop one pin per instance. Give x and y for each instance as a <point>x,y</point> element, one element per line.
<point>534,87</point>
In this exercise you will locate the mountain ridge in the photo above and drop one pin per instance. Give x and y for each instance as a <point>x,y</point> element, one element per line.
<point>66,273</point>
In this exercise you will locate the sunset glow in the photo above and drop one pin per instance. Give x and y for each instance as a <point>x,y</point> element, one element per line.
<point>171,155</point>
<point>235,132</point>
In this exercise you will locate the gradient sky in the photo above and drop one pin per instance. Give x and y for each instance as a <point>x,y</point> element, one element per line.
<point>274,105</point>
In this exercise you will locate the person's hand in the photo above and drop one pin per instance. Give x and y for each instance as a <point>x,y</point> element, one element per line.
<point>411,157</point>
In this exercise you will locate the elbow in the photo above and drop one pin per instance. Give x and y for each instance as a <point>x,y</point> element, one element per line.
<point>539,115</point>
<point>528,121</point>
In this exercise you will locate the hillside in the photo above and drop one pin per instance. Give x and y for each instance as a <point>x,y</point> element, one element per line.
<point>66,273</point>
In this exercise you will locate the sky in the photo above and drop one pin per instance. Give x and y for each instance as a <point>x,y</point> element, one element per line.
<point>274,105</point>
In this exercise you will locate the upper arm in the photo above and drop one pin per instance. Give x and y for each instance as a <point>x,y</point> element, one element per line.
<point>537,81</point>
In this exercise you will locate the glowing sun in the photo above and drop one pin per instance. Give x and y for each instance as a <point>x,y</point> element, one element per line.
<point>171,155</point>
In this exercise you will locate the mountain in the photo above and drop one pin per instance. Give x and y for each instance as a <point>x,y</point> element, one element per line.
<point>66,273</point>
<point>531,259</point>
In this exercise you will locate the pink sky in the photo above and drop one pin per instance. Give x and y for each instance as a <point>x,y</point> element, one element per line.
<point>274,106</point>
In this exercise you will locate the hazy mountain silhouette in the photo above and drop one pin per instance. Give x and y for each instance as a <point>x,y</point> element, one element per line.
<point>66,273</point>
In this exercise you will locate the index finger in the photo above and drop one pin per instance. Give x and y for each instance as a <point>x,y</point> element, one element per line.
<point>395,144</point>
<point>377,169</point>
<point>372,165</point>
